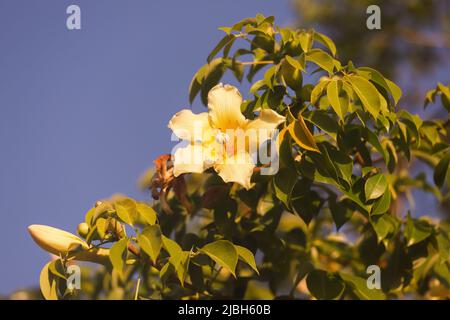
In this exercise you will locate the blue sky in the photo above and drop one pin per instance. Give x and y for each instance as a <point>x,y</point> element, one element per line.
<point>83,113</point>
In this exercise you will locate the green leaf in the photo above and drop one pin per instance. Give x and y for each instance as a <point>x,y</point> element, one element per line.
<point>269,77</point>
<point>340,213</point>
<point>375,186</point>
<point>324,286</point>
<point>118,255</point>
<point>182,266</point>
<point>416,230</point>
<point>150,241</point>
<point>224,253</point>
<point>283,183</point>
<point>302,136</point>
<point>291,71</point>
<point>196,83</point>
<point>318,91</point>
<point>342,163</point>
<point>382,205</point>
<point>367,93</point>
<point>56,268</point>
<point>443,244</point>
<point>48,283</point>
<point>339,105</point>
<point>172,247</point>
<point>326,41</point>
<point>305,203</point>
<point>126,210</point>
<point>306,40</point>
<point>372,138</point>
<point>387,84</point>
<point>212,75</point>
<point>324,122</point>
<point>227,39</point>
<point>384,225</point>
<point>294,63</point>
<point>359,287</point>
<point>440,171</point>
<point>89,215</point>
<point>322,59</point>
<point>147,214</point>
<point>247,256</point>
<point>238,70</point>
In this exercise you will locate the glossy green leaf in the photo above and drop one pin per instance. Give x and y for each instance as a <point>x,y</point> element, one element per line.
<point>322,59</point>
<point>48,284</point>
<point>283,183</point>
<point>323,121</point>
<point>196,83</point>
<point>324,286</point>
<point>150,241</point>
<point>247,256</point>
<point>227,39</point>
<point>302,136</point>
<point>382,204</point>
<point>375,186</point>
<point>126,211</point>
<point>359,287</point>
<point>306,40</point>
<point>441,169</point>
<point>182,266</point>
<point>384,225</point>
<point>318,90</point>
<point>147,213</point>
<point>340,213</point>
<point>118,255</point>
<point>416,230</point>
<point>305,203</point>
<point>387,84</point>
<point>326,41</point>
<point>339,104</point>
<point>212,75</point>
<point>367,93</point>
<point>172,247</point>
<point>224,253</point>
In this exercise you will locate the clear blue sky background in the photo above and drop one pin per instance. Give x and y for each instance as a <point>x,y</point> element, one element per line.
<point>84,113</point>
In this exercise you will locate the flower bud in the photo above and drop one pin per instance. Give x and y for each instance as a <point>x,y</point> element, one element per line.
<point>83,229</point>
<point>54,240</point>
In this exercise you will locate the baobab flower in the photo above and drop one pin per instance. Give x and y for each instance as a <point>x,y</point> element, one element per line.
<point>222,138</point>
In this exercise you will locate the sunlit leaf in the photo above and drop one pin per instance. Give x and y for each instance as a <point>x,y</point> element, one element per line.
<point>247,256</point>
<point>375,186</point>
<point>224,253</point>
<point>302,136</point>
<point>150,241</point>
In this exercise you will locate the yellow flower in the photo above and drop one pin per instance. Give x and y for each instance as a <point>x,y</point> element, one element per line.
<point>222,138</point>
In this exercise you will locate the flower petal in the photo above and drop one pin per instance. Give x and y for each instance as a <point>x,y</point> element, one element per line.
<point>187,125</point>
<point>238,168</point>
<point>224,103</point>
<point>267,120</point>
<point>262,128</point>
<point>189,159</point>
